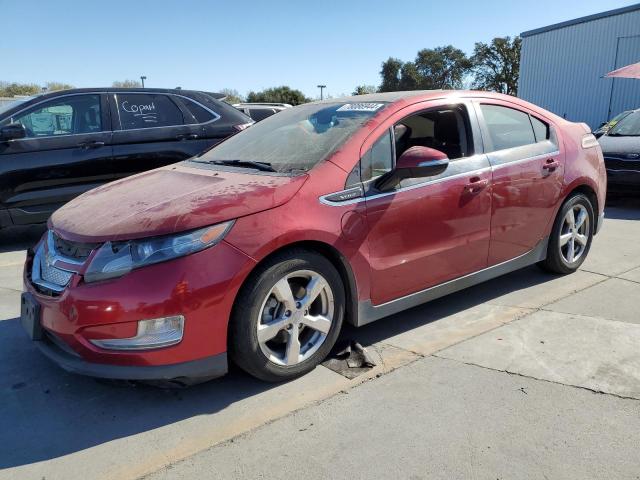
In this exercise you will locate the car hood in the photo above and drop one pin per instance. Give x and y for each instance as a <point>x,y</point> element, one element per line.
<point>619,144</point>
<point>169,200</point>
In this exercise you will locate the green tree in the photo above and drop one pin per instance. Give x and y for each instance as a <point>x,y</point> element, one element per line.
<point>231,96</point>
<point>11,89</point>
<point>410,78</point>
<point>281,94</point>
<point>56,86</point>
<point>126,84</point>
<point>364,89</point>
<point>390,73</point>
<point>497,65</point>
<point>442,67</point>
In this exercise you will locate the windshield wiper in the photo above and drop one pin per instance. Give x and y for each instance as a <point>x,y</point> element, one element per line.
<point>622,135</point>
<point>262,166</point>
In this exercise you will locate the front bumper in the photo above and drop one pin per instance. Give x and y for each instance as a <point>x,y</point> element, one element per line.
<point>203,368</point>
<point>201,287</point>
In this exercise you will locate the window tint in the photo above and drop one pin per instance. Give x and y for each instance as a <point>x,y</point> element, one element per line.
<point>63,116</point>
<point>147,110</point>
<point>540,129</point>
<point>258,114</point>
<point>378,160</point>
<point>508,128</point>
<point>197,113</point>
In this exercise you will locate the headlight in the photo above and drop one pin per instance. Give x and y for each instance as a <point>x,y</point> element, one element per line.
<point>115,259</point>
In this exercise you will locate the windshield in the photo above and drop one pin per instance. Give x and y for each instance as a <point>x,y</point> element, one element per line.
<point>297,138</point>
<point>629,126</point>
<point>13,103</point>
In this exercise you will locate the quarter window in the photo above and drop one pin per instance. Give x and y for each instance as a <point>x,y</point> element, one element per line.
<point>71,115</point>
<point>508,128</point>
<point>378,160</point>
<point>147,110</point>
<point>195,113</point>
<point>540,129</point>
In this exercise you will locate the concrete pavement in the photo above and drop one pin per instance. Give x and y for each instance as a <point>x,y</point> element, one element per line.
<point>496,382</point>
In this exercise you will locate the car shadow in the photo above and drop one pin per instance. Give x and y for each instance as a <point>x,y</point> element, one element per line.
<point>622,207</point>
<point>447,306</point>
<point>48,413</point>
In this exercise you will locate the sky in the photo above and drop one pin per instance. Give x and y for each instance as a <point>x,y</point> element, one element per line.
<point>251,45</point>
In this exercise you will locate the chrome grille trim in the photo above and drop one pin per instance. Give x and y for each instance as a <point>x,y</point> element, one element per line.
<point>45,271</point>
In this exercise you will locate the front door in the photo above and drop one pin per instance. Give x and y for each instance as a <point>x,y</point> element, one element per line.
<point>66,151</point>
<point>527,162</point>
<point>428,230</point>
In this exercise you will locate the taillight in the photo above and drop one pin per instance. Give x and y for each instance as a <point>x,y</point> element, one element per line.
<point>589,141</point>
<point>243,126</point>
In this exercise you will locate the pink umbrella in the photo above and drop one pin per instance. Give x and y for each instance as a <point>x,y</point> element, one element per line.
<point>630,71</point>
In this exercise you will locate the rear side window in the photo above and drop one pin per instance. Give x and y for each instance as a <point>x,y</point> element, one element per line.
<point>508,128</point>
<point>260,113</point>
<point>147,110</point>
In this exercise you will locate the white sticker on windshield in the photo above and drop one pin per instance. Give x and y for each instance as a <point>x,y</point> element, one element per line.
<point>359,107</point>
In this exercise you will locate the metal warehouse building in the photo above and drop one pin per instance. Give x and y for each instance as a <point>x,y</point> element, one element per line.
<point>562,66</point>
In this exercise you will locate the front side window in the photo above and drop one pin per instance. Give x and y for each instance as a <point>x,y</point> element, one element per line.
<point>508,127</point>
<point>147,110</point>
<point>378,160</point>
<point>77,114</point>
<point>297,138</point>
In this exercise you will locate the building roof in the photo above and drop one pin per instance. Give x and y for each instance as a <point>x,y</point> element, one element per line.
<point>576,21</point>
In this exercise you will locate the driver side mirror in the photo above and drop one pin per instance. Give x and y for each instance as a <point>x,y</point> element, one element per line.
<point>13,131</point>
<point>415,162</point>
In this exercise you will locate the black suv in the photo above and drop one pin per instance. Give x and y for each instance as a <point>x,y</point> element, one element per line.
<point>56,146</point>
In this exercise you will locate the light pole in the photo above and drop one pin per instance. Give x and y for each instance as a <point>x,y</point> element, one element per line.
<point>321,87</point>
<point>143,78</point>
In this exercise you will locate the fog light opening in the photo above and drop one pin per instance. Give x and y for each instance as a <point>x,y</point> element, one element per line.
<point>154,333</point>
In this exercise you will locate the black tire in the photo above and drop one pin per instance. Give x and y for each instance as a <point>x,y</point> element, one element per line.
<point>244,348</point>
<point>555,261</point>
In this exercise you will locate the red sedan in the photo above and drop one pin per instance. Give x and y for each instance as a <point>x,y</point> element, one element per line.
<point>338,211</point>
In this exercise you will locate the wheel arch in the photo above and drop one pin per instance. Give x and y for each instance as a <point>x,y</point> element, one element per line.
<point>337,259</point>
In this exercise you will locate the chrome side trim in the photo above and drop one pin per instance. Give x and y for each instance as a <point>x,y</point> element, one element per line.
<point>323,199</point>
<point>367,312</point>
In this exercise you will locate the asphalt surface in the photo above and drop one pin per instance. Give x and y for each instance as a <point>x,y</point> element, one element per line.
<point>527,376</point>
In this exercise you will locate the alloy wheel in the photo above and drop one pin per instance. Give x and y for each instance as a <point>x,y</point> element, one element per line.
<point>574,234</point>
<point>295,317</point>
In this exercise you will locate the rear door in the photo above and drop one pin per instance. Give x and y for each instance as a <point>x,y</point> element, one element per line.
<point>527,163</point>
<point>66,152</point>
<point>154,129</point>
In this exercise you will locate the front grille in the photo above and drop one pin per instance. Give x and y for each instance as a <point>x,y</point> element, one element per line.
<point>54,275</point>
<point>74,250</point>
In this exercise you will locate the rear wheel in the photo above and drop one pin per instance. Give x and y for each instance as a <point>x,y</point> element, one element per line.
<point>571,236</point>
<point>287,317</point>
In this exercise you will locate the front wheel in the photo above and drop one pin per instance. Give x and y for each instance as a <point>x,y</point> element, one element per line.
<point>571,236</point>
<point>287,317</point>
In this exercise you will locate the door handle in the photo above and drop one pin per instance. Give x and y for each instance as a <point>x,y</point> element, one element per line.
<point>91,144</point>
<point>476,184</point>
<point>550,165</point>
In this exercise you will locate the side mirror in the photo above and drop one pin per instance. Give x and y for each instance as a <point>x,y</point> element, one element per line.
<point>12,131</point>
<point>415,162</point>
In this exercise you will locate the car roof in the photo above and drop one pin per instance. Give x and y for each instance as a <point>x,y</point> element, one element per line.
<point>130,90</point>
<point>415,95</point>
